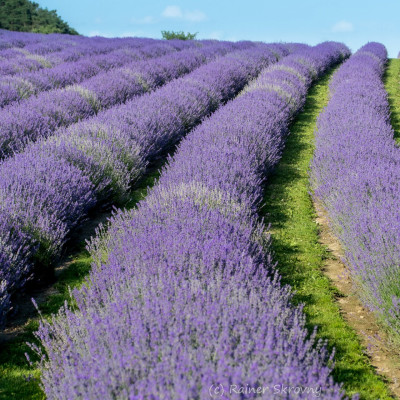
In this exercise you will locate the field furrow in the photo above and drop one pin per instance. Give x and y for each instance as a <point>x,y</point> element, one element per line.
<point>392,86</point>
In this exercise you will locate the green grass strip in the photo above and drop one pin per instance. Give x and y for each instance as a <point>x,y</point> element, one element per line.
<point>288,207</point>
<point>392,85</point>
<point>17,379</point>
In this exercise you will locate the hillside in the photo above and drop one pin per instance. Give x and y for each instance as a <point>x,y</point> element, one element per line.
<point>27,16</point>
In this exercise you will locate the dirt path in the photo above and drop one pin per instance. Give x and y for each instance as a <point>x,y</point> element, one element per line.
<point>358,317</point>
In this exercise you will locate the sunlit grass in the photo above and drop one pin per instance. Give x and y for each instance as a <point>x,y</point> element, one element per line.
<point>392,85</point>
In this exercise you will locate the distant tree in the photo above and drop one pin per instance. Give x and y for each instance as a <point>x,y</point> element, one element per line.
<point>178,35</point>
<point>27,16</point>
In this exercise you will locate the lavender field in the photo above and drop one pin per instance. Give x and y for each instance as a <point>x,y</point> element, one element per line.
<point>185,295</point>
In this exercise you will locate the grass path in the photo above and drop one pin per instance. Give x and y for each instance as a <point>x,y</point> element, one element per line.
<point>17,379</point>
<point>392,85</point>
<point>288,207</point>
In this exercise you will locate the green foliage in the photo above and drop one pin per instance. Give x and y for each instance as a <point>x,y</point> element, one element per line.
<point>168,35</point>
<point>392,80</point>
<point>27,16</point>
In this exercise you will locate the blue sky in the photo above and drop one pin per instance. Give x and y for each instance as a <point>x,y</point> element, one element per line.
<point>353,22</point>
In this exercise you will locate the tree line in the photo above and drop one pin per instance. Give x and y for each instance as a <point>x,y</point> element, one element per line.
<point>27,16</point>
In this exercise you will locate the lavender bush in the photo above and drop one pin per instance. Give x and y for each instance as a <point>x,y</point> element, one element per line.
<point>355,175</point>
<point>182,294</point>
<point>47,189</point>
<point>14,88</point>
<point>47,51</point>
<point>41,115</point>
<point>59,73</point>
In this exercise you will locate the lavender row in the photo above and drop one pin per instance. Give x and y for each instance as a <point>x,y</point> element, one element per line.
<point>356,177</point>
<point>16,60</point>
<point>9,39</point>
<point>46,190</point>
<point>40,116</point>
<point>20,61</point>
<point>182,296</point>
<point>41,55</point>
<point>14,43</point>
<point>24,85</point>
<point>36,42</point>
<point>58,50</point>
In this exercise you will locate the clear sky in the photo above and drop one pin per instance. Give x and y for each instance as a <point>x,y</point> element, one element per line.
<point>353,22</point>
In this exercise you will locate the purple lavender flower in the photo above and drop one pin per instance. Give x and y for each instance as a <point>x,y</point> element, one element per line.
<point>182,294</point>
<point>41,115</point>
<point>54,182</point>
<point>355,175</point>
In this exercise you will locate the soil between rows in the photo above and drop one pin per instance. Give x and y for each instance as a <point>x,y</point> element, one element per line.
<point>371,335</point>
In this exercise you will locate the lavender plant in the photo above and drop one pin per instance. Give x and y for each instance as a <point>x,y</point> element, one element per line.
<point>47,189</point>
<point>77,69</point>
<point>355,176</point>
<point>183,295</point>
<point>48,51</point>
<point>41,115</point>
<point>13,88</point>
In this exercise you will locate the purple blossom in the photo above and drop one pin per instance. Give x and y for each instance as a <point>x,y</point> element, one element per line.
<point>54,182</point>
<point>355,175</point>
<point>41,115</point>
<point>182,294</point>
